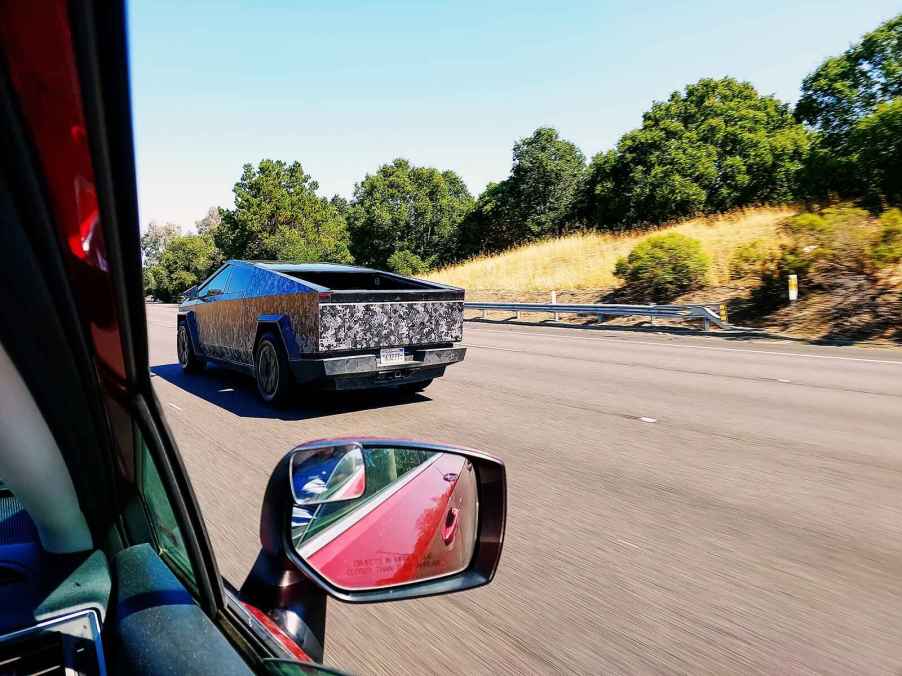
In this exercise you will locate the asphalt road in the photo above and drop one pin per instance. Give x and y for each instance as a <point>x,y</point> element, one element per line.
<point>676,504</point>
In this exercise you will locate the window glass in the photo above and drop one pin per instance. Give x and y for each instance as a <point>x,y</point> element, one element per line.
<point>169,541</point>
<point>217,286</point>
<point>240,280</point>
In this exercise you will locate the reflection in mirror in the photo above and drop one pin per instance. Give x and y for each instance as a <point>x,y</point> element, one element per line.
<point>414,519</point>
<point>327,474</point>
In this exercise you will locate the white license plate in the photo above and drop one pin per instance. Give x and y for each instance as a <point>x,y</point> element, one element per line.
<point>391,355</point>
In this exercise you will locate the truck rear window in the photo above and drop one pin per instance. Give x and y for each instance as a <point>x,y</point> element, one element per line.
<point>354,281</point>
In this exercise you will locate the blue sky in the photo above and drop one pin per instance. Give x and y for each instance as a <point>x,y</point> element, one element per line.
<point>346,86</point>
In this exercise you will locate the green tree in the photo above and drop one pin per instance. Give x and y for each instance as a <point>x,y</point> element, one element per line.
<point>543,181</point>
<point>186,261</point>
<point>847,87</point>
<point>534,201</point>
<point>155,239</point>
<point>717,145</point>
<point>851,100</point>
<point>490,225</point>
<point>209,223</point>
<point>403,207</point>
<point>406,263</point>
<point>278,215</point>
<point>875,143</point>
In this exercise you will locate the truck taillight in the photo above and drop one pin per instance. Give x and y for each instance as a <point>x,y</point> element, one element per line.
<point>325,296</point>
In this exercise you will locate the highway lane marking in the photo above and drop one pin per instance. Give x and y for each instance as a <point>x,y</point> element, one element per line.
<point>648,420</point>
<point>177,408</point>
<point>696,347</point>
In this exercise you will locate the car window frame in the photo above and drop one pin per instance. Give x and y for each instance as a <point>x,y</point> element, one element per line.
<point>206,587</point>
<point>184,570</point>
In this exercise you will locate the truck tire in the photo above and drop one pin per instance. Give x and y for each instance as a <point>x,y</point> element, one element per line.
<point>275,381</point>
<point>188,360</point>
<point>413,388</point>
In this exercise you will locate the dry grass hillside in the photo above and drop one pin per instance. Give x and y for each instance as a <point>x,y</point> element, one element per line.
<point>586,260</point>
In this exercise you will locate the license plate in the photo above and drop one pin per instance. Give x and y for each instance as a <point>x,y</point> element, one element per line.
<point>391,355</point>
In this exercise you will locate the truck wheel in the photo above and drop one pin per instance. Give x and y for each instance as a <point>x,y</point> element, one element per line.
<point>413,388</point>
<point>274,379</point>
<point>189,361</point>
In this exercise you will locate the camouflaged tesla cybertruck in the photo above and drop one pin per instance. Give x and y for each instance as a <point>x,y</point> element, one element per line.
<point>321,325</point>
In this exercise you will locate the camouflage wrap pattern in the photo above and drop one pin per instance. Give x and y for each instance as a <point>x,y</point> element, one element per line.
<point>361,326</point>
<point>227,328</point>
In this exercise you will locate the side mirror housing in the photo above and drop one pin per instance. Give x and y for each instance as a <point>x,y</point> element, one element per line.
<point>371,520</point>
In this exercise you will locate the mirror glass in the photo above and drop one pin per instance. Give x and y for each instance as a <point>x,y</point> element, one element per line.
<point>396,516</point>
<point>327,475</point>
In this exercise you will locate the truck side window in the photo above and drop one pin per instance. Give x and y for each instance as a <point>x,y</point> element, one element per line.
<point>218,285</point>
<point>240,280</point>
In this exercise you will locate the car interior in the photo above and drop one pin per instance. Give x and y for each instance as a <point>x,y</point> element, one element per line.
<point>104,562</point>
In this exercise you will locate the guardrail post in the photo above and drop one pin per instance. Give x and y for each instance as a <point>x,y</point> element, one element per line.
<point>483,313</point>
<point>557,317</point>
<point>707,324</point>
<point>518,315</point>
<point>651,317</point>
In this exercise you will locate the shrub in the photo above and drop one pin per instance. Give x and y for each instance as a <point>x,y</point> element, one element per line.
<point>407,263</point>
<point>830,248</point>
<point>774,289</point>
<point>888,249</point>
<point>750,259</point>
<point>839,238</point>
<point>662,267</point>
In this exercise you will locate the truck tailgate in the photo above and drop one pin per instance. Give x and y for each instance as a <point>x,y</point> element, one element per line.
<point>372,324</point>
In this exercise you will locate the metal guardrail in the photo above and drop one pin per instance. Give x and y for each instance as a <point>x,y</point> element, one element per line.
<point>705,313</point>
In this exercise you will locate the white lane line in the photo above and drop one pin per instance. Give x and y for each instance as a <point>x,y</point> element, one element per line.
<point>696,347</point>
<point>648,420</point>
<point>174,406</point>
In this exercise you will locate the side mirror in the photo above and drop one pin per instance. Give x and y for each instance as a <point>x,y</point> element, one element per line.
<point>370,520</point>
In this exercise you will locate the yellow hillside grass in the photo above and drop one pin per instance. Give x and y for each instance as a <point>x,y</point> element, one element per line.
<point>586,260</point>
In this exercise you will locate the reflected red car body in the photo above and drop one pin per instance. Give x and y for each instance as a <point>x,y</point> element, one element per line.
<point>400,541</point>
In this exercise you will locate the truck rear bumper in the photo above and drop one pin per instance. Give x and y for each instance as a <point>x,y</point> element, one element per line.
<point>354,372</point>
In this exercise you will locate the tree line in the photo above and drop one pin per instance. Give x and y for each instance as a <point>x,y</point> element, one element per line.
<point>716,145</point>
